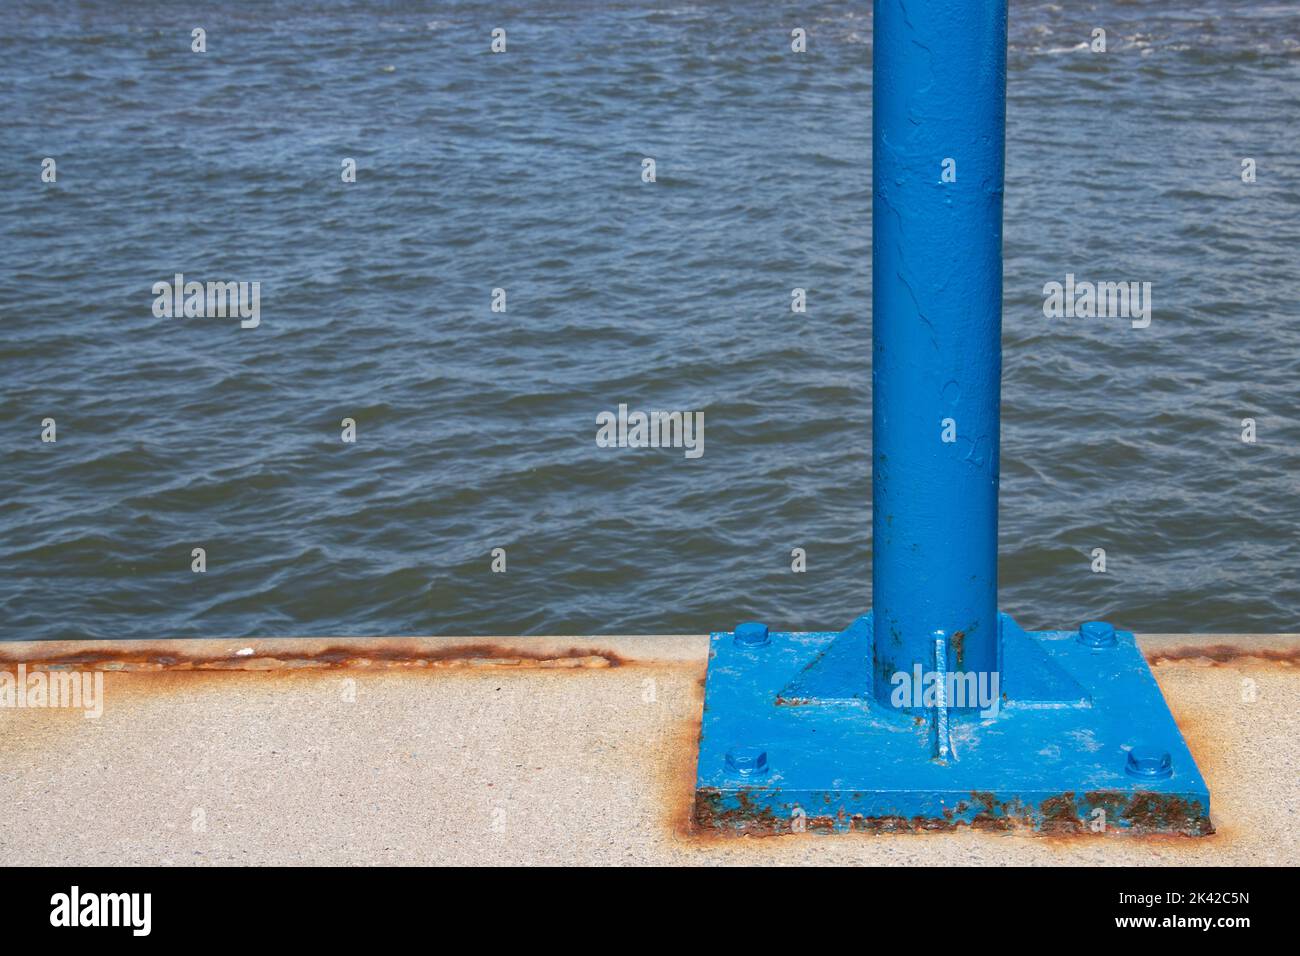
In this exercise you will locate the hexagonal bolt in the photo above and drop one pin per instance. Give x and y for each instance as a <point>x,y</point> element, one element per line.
<point>752,634</point>
<point>1097,634</point>
<point>747,760</point>
<point>1149,762</point>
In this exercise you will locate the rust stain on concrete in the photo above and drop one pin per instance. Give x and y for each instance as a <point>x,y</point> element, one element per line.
<point>1219,654</point>
<point>374,657</point>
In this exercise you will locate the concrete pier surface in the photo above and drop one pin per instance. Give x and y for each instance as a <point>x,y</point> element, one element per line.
<point>523,750</point>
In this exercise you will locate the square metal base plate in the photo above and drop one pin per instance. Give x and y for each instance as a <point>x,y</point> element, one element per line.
<point>791,741</point>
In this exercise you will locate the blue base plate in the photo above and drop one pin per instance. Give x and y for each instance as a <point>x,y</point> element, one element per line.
<point>791,740</point>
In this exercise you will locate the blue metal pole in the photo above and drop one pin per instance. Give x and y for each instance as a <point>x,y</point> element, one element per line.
<point>794,735</point>
<point>939,100</point>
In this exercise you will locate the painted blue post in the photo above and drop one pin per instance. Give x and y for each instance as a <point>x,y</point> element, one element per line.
<point>1061,730</point>
<point>939,106</point>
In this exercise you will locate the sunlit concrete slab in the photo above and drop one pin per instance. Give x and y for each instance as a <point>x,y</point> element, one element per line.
<point>520,750</point>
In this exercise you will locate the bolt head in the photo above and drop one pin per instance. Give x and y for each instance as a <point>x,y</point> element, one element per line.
<point>752,634</point>
<point>1149,762</point>
<point>747,761</point>
<point>1097,634</point>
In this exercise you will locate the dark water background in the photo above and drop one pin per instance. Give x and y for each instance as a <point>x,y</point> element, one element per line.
<point>476,430</point>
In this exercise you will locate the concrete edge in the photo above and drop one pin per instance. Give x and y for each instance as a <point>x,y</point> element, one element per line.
<point>576,651</point>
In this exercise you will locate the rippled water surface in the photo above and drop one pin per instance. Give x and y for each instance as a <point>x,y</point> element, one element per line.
<point>522,171</point>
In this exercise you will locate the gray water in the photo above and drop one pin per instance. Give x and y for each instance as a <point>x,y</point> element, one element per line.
<point>476,430</point>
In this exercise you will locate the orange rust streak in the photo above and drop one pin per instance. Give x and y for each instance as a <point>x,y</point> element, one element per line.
<point>1224,654</point>
<point>332,658</point>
